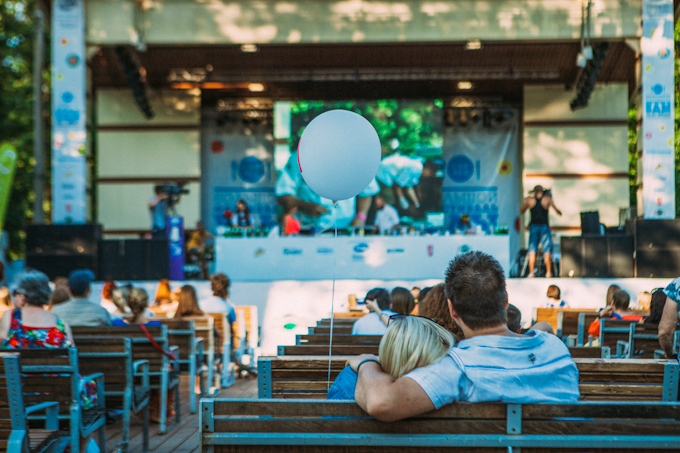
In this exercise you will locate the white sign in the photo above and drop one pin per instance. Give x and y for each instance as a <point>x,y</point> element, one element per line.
<point>658,125</point>
<point>362,258</point>
<point>68,112</point>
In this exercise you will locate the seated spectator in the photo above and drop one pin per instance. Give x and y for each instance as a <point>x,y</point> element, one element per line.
<point>138,302</point>
<point>59,296</point>
<point>491,364</point>
<point>399,354</point>
<point>370,324</point>
<point>164,303</point>
<point>107,297</point>
<point>544,326</point>
<point>656,306</point>
<point>555,298</point>
<point>610,293</point>
<point>119,297</point>
<point>219,301</point>
<point>669,319</point>
<point>434,306</point>
<point>291,225</point>
<point>188,303</point>
<point>644,301</point>
<point>401,302</point>
<point>79,311</point>
<point>618,310</point>
<point>514,319</point>
<point>5,300</point>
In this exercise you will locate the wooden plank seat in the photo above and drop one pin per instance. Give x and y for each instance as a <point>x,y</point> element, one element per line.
<point>53,375</point>
<point>163,375</point>
<point>204,326</point>
<point>615,335</point>
<point>337,339</point>
<point>227,376</point>
<point>298,426</point>
<point>182,333</point>
<point>247,338</point>
<point>127,381</point>
<point>550,315</point>
<point>643,340</point>
<point>572,326</point>
<point>15,435</point>
<point>600,379</point>
<point>326,330</point>
<point>326,322</point>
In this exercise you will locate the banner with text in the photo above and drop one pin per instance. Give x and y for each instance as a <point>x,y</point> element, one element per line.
<point>68,112</point>
<point>658,125</point>
<point>482,176</point>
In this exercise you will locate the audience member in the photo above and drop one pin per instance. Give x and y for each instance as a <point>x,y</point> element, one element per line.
<point>618,310</point>
<point>610,292</point>
<point>119,298</point>
<point>137,301</point>
<point>491,364</point>
<point>544,326</point>
<point>398,353</point>
<point>656,306</point>
<point>5,295</point>
<point>435,307</point>
<point>370,324</point>
<point>79,311</point>
<point>669,319</point>
<point>555,298</point>
<point>107,297</point>
<point>163,303</point>
<point>401,302</point>
<point>514,319</point>
<point>386,216</point>
<point>291,225</point>
<point>219,301</point>
<point>59,296</point>
<point>188,303</point>
<point>644,301</point>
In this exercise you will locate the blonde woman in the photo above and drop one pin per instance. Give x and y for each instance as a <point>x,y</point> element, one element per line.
<point>410,342</point>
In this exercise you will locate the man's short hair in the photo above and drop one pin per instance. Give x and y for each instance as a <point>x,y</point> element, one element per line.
<point>621,300</point>
<point>514,318</point>
<point>475,285</point>
<point>79,282</point>
<point>554,292</point>
<point>381,296</point>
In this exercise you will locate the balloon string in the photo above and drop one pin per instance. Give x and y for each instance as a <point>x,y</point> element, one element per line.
<point>335,243</point>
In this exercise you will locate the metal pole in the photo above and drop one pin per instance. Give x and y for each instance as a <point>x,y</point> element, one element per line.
<point>38,152</point>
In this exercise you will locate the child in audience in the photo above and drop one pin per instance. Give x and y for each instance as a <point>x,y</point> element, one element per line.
<point>410,342</point>
<point>644,301</point>
<point>555,298</point>
<point>618,310</point>
<point>433,305</point>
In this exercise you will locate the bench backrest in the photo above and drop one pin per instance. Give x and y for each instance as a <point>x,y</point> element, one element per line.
<point>11,398</point>
<point>247,315</point>
<point>326,330</point>
<point>222,326</point>
<point>550,315</point>
<point>612,331</point>
<point>643,340</point>
<point>204,326</point>
<point>111,356</point>
<point>600,379</point>
<point>575,323</point>
<point>337,339</point>
<point>182,333</point>
<point>326,322</point>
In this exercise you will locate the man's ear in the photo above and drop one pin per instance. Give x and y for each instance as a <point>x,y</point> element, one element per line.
<point>507,300</point>
<point>453,312</point>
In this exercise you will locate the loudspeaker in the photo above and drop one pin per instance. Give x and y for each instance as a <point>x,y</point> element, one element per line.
<point>590,223</point>
<point>63,239</point>
<point>621,262</point>
<point>657,263</point>
<point>158,263</point>
<point>571,256</point>
<point>111,260</point>
<point>595,253</point>
<point>657,234</point>
<point>135,260</point>
<point>60,265</point>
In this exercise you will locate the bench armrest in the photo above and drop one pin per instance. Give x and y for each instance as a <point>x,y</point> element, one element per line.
<point>99,381</point>
<point>175,363</point>
<point>51,409</point>
<point>198,347</point>
<point>621,348</point>
<point>144,364</point>
<point>659,354</point>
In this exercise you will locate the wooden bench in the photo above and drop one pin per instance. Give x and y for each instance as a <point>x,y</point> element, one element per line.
<point>572,326</point>
<point>205,331</point>
<point>615,334</point>
<point>294,426</point>
<point>163,375</point>
<point>321,339</point>
<point>53,375</point>
<point>182,333</point>
<point>550,315</point>
<point>600,379</point>
<point>15,435</point>
<point>326,322</point>
<point>223,348</point>
<point>113,357</point>
<point>326,330</point>
<point>357,349</point>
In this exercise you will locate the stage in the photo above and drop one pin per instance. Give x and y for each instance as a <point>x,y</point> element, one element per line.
<point>287,308</point>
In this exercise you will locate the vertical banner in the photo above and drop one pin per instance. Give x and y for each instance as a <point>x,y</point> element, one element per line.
<point>658,125</point>
<point>174,230</point>
<point>237,163</point>
<point>482,177</point>
<point>8,161</point>
<point>68,112</point>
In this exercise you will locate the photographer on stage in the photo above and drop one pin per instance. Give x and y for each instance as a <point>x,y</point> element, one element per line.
<point>539,230</point>
<point>158,207</point>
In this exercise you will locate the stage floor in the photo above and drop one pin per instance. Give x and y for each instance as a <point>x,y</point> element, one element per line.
<point>287,308</point>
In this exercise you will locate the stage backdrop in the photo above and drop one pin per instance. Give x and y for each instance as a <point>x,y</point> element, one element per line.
<point>236,163</point>
<point>482,177</point>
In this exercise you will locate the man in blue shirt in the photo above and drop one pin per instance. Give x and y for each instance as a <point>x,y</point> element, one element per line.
<point>371,324</point>
<point>491,364</point>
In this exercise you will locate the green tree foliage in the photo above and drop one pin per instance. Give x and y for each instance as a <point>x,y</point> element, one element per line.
<point>16,112</point>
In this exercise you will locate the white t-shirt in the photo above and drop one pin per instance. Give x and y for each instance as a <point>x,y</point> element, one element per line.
<point>533,368</point>
<point>371,324</point>
<point>386,218</point>
<point>214,304</point>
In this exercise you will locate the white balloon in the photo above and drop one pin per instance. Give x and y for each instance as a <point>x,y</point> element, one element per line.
<point>339,154</point>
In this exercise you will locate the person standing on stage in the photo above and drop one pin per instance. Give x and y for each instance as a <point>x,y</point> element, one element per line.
<point>386,216</point>
<point>539,230</point>
<point>158,207</point>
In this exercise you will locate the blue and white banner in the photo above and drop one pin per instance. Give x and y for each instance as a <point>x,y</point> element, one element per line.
<point>482,177</point>
<point>68,112</point>
<point>658,125</point>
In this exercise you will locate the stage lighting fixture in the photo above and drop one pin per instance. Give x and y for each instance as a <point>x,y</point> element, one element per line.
<point>462,118</point>
<point>255,87</point>
<point>473,44</point>
<point>465,85</point>
<point>587,78</point>
<point>136,76</point>
<point>249,48</point>
<point>581,60</point>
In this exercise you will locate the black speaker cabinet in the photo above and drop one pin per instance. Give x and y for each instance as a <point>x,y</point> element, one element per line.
<point>63,239</point>
<point>657,263</point>
<point>111,260</point>
<point>590,223</point>
<point>657,234</point>
<point>596,256</point>
<point>158,263</point>
<point>571,261</point>
<point>134,259</point>
<point>621,262</point>
<point>60,265</point>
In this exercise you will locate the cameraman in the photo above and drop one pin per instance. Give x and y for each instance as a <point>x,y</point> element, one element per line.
<point>158,207</point>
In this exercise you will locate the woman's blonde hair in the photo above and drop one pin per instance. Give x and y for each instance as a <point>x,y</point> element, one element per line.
<point>412,342</point>
<point>163,292</point>
<point>138,301</point>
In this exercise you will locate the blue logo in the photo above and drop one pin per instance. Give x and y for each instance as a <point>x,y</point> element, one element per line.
<point>292,251</point>
<point>67,116</point>
<point>324,251</point>
<point>67,97</point>
<point>657,89</point>
<point>361,248</point>
<point>460,169</point>
<point>176,250</point>
<point>395,250</point>
<point>251,169</point>
<point>66,5</point>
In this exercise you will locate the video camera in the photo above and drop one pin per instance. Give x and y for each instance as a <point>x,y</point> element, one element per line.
<point>174,191</point>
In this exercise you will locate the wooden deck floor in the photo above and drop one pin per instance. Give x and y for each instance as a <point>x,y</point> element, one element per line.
<point>182,437</point>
